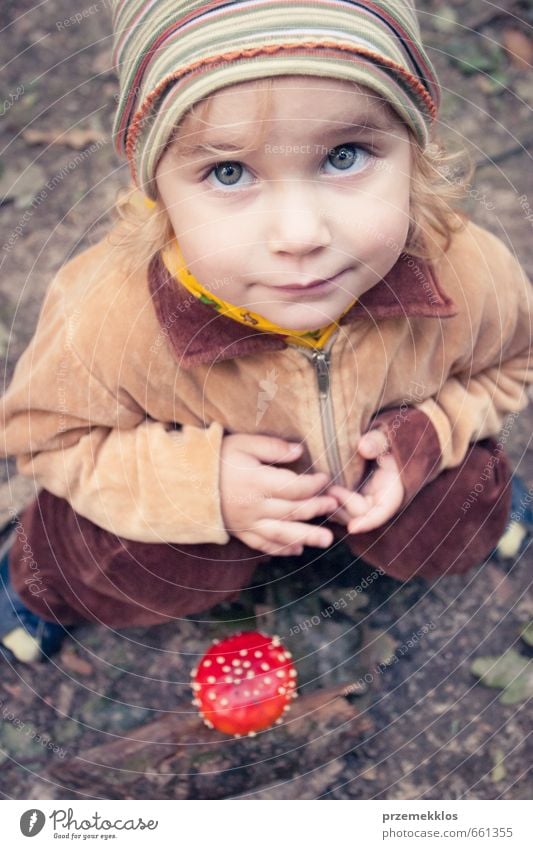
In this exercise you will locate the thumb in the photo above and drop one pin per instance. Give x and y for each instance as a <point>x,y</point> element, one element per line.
<point>372,444</point>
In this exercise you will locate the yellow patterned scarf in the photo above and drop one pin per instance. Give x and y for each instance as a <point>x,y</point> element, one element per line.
<point>173,259</point>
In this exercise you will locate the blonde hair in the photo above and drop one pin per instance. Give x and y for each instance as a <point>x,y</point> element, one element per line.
<point>439,179</point>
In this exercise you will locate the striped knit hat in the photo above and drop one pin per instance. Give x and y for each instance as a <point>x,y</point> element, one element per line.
<point>170,54</point>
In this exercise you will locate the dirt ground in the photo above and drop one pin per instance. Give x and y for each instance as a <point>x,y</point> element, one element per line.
<point>437,733</point>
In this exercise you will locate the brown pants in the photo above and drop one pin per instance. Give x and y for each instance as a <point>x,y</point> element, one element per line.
<point>67,569</point>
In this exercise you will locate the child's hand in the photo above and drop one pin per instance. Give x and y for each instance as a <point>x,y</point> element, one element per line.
<point>267,507</point>
<point>380,497</point>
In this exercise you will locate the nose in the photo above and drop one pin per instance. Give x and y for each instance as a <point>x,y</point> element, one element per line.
<point>297,224</point>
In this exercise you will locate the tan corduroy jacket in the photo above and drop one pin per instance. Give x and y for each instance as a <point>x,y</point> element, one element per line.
<point>121,400</point>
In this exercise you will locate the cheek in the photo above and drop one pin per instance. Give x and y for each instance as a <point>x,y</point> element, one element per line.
<point>214,266</point>
<point>381,237</point>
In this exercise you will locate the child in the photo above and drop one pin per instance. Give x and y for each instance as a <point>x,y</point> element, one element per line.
<point>292,340</point>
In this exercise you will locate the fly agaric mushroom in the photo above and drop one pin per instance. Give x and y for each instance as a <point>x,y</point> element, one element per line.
<point>244,684</point>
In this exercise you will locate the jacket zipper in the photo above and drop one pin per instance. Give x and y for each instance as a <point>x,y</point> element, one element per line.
<point>321,359</point>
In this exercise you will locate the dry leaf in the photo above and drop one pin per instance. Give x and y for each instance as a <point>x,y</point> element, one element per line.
<point>519,47</point>
<point>76,664</point>
<point>527,634</point>
<point>76,138</point>
<point>14,689</point>
<point>511,672</point>
<point>498,772</point>
<point>21,185</point>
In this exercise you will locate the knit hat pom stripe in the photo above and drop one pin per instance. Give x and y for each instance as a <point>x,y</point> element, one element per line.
<point>173,43</point>
<point>179,27</point>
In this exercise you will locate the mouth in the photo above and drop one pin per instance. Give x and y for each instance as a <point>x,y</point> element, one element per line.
<point>315,286</point>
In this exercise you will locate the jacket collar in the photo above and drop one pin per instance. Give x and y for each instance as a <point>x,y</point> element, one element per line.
<point>198,334</point>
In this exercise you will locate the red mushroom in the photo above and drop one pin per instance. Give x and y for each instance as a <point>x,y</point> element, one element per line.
<point>244,684</point>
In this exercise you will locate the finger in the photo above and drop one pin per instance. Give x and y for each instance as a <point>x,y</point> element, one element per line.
<point>291,533</point>
<point>372,444</point>
<point>271,449</point>
<point>354,503</point>
<point>375,517</point>
<point>283,483</point>
<point>266,546</point>
<point>341,516</point>
<point>278,508</point>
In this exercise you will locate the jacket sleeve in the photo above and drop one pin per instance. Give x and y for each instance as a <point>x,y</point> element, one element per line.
<point>138,478</point>
<point>475,401</point>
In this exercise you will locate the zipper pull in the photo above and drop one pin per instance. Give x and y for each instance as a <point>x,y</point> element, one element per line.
<point>321,360</point>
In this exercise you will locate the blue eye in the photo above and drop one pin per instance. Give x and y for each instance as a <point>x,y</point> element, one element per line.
<point>344,156</point>
<point>232,171</point>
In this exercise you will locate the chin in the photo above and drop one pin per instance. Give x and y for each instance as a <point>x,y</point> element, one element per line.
<point>288,324</point>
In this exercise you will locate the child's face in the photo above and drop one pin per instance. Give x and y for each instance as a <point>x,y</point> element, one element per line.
<point>312,201</point>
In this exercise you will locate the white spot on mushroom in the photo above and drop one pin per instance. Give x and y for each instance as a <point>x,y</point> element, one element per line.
<point>250,674</point>
<point>209,724</point>
<point>276,640</point>
<point>246,664</point>
<point>221,659</point>
<point>211,679</point>
<point>229,680</point>
<point>282,691</point>
<point>258,654</point>
<point>197,686</point>
<point>287,654</point>
<point>239,671</point>
<point>212,696</point>
<point>194,670</point>
<point>224,702</point>
<point>268,680</point>
<point>207,662</point>
<point>292,673</point>
<point>247,694</point>
<point>237,735</point>
<point>236,662</point>
<point>196,702</point>
<point>226,668</point>
<point>256,692</point>
<point>279,721</point>
<point>280,673</point>
<point>251,734</point>
<point>243,652</point>
<point>265,666</point>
